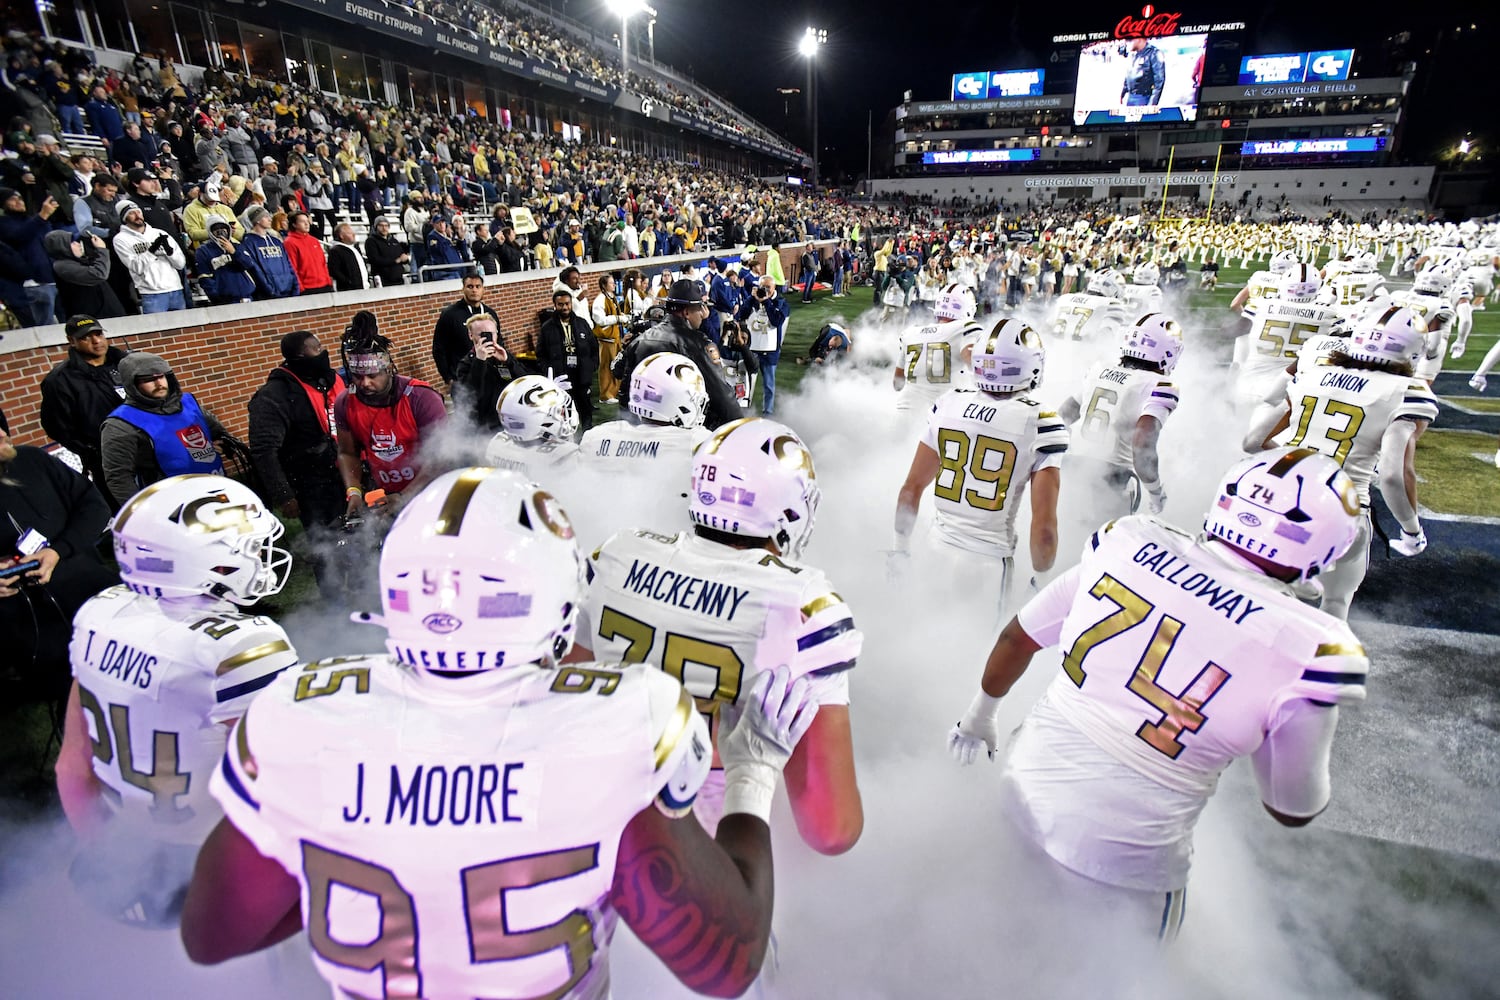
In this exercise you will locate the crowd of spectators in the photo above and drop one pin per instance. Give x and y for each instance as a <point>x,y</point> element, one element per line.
<point>241,189</point>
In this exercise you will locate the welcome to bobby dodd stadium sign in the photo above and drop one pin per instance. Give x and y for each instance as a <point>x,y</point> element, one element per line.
<point>993,104</point>
<point>1123,180</point>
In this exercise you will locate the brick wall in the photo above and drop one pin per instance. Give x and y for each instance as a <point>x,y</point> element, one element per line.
<point>222,354</point>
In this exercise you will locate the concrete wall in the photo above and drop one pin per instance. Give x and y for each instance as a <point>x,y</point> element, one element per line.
<point>1301,185</point>
<point>222,354</point>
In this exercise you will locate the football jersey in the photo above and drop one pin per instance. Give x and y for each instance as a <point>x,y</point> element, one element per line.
<point>1177,659</point>
<point>157,680</point>
<point>989,448</point>
<point>1438,314</point>
<point>620,446</point>
<point>1344,413</point>
<point>1349,289</point>
<point>456,838</point>
<point>1262,285</point>
<point>714,617</point>
<point>1113,399</point>
<point>1142,299</point>
<point>1278,329</point>
<point>934,360</point>
<point>540,464</point>
<point>1082,316</point>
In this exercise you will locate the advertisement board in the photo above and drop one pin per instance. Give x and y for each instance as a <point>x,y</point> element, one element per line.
<point>1281,147</point>
<point>1139,80</point>
<point>983,85</point>
<point>982,156</point>
<point>1296,67</point>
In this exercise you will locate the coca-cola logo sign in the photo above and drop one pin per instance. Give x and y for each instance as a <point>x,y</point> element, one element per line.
<point>1151,24</point>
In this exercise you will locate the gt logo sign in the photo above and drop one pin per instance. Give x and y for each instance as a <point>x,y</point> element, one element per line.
<point>970,86</point>
<point>1327,65</point>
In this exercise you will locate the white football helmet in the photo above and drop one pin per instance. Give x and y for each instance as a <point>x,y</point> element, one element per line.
<point>1392,334</point>
<point>534,409</point>
<point>667,388</point>
<point>1156,338</point>
<point>1362,262</point>
<point>1282,262</point>
<point>1145,274</point>
<point>755,477</point>
<point>1109,283</point>
<point>200,534</point>
<point>1294,507</point>
<point>1009,359</point>
<point>1301,284</point>
<point>480,570</point>
<point>1433,281</point>
<point>955,301</point>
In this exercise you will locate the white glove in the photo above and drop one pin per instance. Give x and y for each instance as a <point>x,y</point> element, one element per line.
<point>563,382</point>
<point>897,565</point>
<point>1156,497</point>
<point>1457,351</point>
<point>978,730</point>
<point>1410,543</point>
<point>221,260</point>
<point>757,738</point>
<point>1479,383</point>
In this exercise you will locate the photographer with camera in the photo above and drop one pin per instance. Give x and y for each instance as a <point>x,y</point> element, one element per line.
<point>609,316</point>
<point>681,332</point>
<point>50,521</point>
<point>482,374</point>
<point>763,315</point>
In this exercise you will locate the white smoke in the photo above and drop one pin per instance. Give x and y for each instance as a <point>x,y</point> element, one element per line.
<point>940,897</point>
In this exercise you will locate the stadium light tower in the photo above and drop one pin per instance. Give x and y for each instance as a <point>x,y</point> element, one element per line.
<point>625,8</point>
<point>812,40</point>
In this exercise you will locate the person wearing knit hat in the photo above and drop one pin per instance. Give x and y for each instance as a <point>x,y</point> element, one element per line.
<point>158,431</point>
<point>153,258</point>
<point>265,258</point>
<point>198,212</point>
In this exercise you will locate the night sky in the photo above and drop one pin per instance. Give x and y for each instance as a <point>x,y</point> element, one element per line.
<point>878,48</point>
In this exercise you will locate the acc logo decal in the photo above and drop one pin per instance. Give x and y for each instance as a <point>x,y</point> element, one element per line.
<point>442,623</point>
<point>707,498</point>
<point>1250,519</point>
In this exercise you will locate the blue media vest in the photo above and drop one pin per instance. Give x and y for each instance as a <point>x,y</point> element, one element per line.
<point>182,440</point>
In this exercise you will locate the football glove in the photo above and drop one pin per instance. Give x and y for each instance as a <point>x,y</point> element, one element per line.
<point>757,738</point>
<point>1410,543</point>
<point>563,382</point>
<point>1479,383</point>
<point>978,730</point>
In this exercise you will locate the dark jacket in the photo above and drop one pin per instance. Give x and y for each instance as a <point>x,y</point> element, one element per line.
<point>129,454</point>
<point>674,334</point>
<point>381,255</point>
<point>344,269</point>
<point>291,450</point>
<point>226,278</point>
<point>24,234</point>
<point>82,282</point>
<point>512,257</point>
<point>476,389</point>
<point>487,255</point>
<point>450,341</point>
<point>441,250</point>
<point>76,397</point>
<point>552,349</point>
<point>265,259</point>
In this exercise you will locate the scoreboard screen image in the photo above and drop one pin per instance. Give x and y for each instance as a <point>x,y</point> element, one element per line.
<point>1139,81</point>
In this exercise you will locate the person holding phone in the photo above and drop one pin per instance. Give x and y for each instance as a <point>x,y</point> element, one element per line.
<point>482,374</point>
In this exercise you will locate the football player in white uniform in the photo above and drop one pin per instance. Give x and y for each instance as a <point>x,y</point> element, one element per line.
<point>982,447</point>
<point>1279,326</point>
<point>1097,313</point>
<point>465,817</point>
<point>1461,294</point>
<point>723,603</point>
<point>538,425</point>
<point>935,357</point>
<point>1348,290</point>
<point>1128,402</point>
<point>1363,410</point>
<point>1182,654</point>
<point>1143,294</point>
<point>162,665</point>
<point>1267,283</point>
<point>1428,298</point>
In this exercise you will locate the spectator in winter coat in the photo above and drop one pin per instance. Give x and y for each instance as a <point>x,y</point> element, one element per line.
<point>225,278</point>
<point>157,431</point>
<point>154,259</point>
<point>105,119</point>
<point>264,255</point>
<point>133,149</point>
<point>442,249</point>
<point>346,266</point>
<point>81,265</point>
<point>207,206</point>
<point>386,255</point>
<point>307,256</point>
<point>25,235</point>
